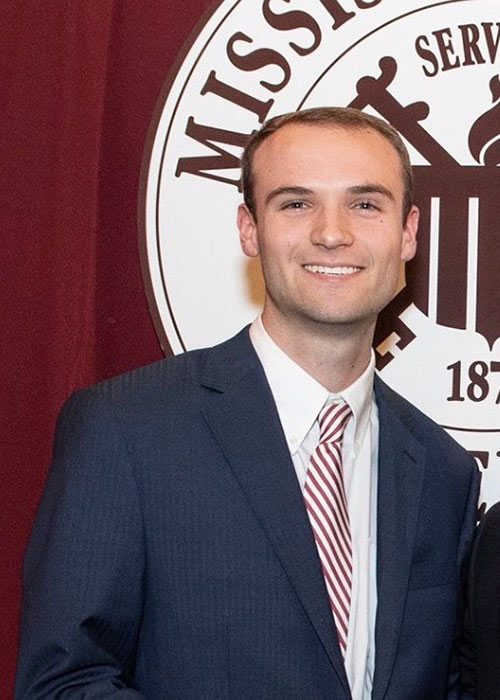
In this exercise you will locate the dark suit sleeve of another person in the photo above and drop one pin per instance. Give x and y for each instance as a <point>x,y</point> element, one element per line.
<point>481,649</point>
<point>459,687</point>
<point>84,567</point>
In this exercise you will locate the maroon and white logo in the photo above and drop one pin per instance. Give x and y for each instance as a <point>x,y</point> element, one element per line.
<point>432,70</point>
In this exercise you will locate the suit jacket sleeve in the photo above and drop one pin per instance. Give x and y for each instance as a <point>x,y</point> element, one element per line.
<point>84,566</point>
<point>458,689</point>
<point>481,644</point>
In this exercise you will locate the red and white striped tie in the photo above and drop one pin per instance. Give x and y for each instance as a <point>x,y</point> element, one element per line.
<point>326,503</point>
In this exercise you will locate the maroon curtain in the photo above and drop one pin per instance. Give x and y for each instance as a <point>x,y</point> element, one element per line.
<point>80,80</point>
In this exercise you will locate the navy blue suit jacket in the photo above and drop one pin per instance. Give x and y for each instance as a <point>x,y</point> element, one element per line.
<point>172,555</point>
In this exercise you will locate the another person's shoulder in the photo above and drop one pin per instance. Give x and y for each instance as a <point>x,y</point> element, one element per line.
<point>484,590</point>
<point>489,532</point>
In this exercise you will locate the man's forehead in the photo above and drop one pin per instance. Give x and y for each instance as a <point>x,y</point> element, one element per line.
<point>289,130</point>
<point>304,136</point>
<point>301,154</point>
<point>306,139</point>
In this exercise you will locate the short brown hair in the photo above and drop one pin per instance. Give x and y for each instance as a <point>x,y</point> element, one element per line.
<point>343,117</point>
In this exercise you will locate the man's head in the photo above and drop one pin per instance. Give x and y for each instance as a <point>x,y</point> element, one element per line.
<point>340,117</point>
<point>328,211</point>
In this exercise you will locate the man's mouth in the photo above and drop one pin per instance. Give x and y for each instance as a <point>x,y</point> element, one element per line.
<point>337,270</point>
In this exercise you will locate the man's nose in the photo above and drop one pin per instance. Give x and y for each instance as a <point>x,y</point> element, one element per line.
<point>332,228</point>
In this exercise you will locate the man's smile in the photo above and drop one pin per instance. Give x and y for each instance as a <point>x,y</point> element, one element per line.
<point>335,270</point>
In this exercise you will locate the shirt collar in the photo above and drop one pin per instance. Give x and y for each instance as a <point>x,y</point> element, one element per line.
<point>299,397</point>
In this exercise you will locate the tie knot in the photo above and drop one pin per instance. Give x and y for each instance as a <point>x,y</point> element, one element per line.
<point>332,422</point>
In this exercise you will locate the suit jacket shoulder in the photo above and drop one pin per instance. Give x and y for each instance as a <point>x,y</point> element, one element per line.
<point>445,450</point>
<point>174,379</point>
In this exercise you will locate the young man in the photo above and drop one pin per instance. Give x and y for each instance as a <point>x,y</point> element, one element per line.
<point>263,519</point>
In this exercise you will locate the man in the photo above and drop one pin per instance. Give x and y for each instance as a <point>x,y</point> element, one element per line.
<point>261,519</point>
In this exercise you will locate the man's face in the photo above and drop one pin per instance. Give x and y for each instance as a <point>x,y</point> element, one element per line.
<point>328,225</point>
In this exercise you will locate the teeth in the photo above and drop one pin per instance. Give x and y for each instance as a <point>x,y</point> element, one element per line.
<point>322,269</point>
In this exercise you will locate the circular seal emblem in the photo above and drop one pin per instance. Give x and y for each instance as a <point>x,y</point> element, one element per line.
<point>429,68</point>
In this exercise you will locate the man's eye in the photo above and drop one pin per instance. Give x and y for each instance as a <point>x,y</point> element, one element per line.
<point>296,204</point>
<point>366,206</point>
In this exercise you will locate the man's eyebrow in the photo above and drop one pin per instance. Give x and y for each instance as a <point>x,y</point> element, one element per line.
<point>288,189</point>
<point>370,188</point>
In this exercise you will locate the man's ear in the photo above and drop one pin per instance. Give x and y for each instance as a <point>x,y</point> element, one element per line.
<point>409,244</point>
<point>248,232</point>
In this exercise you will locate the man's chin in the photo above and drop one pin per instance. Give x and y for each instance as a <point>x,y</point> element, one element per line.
<point>336,321</point>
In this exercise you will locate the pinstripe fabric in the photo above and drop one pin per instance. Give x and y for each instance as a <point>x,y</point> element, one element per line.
<point>326,504</point>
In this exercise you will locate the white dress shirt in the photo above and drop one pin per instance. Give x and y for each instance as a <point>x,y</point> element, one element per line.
<point>299,399</point>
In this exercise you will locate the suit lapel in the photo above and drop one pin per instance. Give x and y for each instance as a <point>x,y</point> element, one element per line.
<point>240,411</point>
<point>400,476</point>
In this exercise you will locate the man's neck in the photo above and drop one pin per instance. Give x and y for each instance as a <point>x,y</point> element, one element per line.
<point>334,356</point>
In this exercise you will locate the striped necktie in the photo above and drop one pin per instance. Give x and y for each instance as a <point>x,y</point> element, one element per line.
<point>326,503</point>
